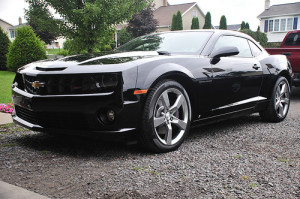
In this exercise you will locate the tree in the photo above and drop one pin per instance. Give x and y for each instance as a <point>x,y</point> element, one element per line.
<point>258,28</point>
<point>195,23</point>
<point>4,44</point>
<point>174,23</point>
<point>142,23</point>
<point>26,48</point>
<point>124,36</point>
<point>258,36</point>
<point>177,22</point>
<point>91,22</point>
<point>243,25</point>
<point>207,24</point>
<point>223,23</point>
<point>247,26</point>
<point>40,19</point>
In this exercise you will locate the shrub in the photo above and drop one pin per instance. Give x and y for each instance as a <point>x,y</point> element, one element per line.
<point>223,23</point>
<point>124,36</point>
<point>207,24</point>
<point>63,52</point>
<point>26,48</point>
<point>195,23</point>
<point>4,44</point>
<point>258,36</point>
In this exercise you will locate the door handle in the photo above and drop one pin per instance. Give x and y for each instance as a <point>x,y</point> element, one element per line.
<point>255,67</point>
<point>286,54</point>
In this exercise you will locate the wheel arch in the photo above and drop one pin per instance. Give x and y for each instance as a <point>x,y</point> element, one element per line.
<point>181,78</point>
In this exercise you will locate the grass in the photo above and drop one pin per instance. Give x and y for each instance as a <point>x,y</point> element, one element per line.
<point>53,51</point>
<point>6,80</point>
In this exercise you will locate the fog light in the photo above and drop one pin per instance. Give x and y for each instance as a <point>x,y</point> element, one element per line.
<point>110,115</point>
<point>107,116</point>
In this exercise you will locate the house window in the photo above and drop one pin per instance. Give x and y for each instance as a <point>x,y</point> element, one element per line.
<point>271,26</point>
<point>12,34</point>
<point>276,25</point>
<point>289,24</point>
<point>282,24</point>
<point>195,13</point>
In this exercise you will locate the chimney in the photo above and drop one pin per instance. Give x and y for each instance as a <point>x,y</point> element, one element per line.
<point>165,2</point>
<point>267,4</point>
<point>20,21</point>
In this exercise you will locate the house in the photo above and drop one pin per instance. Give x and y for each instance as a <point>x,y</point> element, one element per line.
<point>277,20</point>
<point>5,26</point>
<point>235,27</point>
<point>58,43</point>
<point>164,14</point>
<point>13,29</point>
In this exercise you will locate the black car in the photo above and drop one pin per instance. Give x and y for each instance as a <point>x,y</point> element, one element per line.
<point>154,87</point>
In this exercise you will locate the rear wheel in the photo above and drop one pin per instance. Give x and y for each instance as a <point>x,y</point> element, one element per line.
<point>166,117</point>
<point>279,104</point>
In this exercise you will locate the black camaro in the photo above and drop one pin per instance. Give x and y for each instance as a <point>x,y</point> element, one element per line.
<point>154,87</point>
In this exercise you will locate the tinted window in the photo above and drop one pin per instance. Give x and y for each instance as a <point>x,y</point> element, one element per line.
<point>184,42</point>
<point>255,50</point>
<point>240,43</point>
<point>293,39</point>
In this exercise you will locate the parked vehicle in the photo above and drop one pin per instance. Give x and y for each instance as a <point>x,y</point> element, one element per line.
<point>291,48</point>
<point>155,87</point>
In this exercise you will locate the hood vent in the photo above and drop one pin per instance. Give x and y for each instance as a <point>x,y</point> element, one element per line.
<point>50,69</point>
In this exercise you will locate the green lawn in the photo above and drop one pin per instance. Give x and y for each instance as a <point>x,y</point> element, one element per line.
<point>6,80</point>
<point>53,51</point>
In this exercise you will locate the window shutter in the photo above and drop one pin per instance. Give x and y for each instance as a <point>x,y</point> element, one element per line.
<point>295,23</point>
<point>266,25</point>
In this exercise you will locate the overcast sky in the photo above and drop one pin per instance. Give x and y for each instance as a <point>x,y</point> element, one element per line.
<point>235,11</point>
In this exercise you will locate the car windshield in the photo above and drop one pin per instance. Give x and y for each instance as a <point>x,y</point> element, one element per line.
<point>171,42</point>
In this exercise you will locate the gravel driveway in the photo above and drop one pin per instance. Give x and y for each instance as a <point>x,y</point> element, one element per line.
<point>240,158</point>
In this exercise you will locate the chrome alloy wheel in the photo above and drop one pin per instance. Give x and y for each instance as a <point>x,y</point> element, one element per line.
<point>282,99</point>
<point>171,114</point>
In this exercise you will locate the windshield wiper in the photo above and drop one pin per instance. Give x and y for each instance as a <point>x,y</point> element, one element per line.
<point>163,53</point>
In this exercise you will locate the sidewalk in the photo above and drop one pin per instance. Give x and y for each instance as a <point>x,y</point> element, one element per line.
<point>8,191</point>
<point>5,118</point>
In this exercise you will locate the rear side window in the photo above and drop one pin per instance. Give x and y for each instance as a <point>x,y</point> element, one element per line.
<point>256,51</point>
<point>240,43</point>
<point>293,39</point>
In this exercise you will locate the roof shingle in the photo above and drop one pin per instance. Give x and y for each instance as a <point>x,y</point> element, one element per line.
<point>164,14</point>
<point>282,9</point>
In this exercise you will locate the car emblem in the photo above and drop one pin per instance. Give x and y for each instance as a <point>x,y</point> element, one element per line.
<point>37,84</point>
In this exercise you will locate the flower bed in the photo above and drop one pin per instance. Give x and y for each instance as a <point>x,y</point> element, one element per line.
<point>7,108</point>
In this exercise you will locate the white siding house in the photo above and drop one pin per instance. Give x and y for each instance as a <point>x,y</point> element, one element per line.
<point>277,20</point>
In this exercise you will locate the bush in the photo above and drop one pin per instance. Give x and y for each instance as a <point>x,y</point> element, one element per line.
<point>4,44</point>
<point>195,23</point>
<point>63,52</point>
<point>258,36</point>
<point>26,48</point>
<point>124,37</point>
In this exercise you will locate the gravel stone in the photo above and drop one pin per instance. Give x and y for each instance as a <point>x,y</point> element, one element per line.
<point>238,158</point>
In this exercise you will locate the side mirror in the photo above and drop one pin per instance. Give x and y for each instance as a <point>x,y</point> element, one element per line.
<point>224,52</point>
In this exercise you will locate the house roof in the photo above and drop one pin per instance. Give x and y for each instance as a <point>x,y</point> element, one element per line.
<point>231,27</point>
<point>164,14</point>
<point>6,22</point>
<point>18,26</point>
<point>281,10</point>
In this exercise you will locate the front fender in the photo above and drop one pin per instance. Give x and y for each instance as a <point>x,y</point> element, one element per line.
<point>147,76</point>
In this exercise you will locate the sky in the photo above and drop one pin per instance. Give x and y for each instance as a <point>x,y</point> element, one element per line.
<point>235,11</point>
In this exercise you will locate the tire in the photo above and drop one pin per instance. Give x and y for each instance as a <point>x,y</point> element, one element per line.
<point>166,117</point>
<point>279,104</point>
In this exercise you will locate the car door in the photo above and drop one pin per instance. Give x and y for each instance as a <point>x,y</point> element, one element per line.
<point>236,79</point>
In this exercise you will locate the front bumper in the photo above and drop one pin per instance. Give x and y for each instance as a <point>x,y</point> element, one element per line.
<point>75,114</point>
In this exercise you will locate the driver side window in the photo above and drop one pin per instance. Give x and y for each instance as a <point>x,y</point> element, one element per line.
<point>238,42</point>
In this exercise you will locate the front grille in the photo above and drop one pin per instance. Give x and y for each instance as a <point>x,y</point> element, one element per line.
<point>72,84</point>
<point>52,120</point>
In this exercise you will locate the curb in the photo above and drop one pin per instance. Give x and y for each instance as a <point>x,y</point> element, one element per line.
<point>9,191</point>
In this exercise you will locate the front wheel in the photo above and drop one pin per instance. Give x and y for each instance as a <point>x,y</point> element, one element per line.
<point>279,104</point>
<point>166,117</point>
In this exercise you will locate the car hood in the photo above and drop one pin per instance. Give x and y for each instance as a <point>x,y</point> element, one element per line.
<point>83,63</point>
